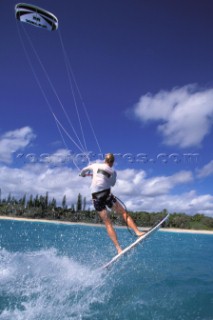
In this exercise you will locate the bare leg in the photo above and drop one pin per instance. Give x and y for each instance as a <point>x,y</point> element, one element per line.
<point>119,209</point>
<point>111,232</point>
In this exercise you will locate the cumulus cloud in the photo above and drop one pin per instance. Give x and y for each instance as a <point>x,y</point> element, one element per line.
<point>164,184</point>
<point>134,188</point>
<point>184,115</point>
<point>13,141</point>
<point>57,175</point>
<point>60,157</point>
<point>39,179</point>
<point>206,171</point>
<point>189,203</point>
<point>153,194</point>
<point>135,182</point>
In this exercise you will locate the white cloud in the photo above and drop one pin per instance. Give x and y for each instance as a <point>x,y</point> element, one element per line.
<point>189,203</point>
<point>206,171</point>
<point>39,179</point>
<point>129,181</point>
<point>135,182</point>
<point>60,157</point>
<point>13,141</point>
<point>164,184</point>
<point>184,115</point>
<point>134,188</point>
<point>139,192</point>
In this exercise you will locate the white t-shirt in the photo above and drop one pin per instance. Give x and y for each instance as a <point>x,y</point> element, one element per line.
<point>103,176</point>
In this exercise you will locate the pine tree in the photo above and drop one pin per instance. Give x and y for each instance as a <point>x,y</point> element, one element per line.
<point>84,204</point>
<point>23,200</point>
<point>9,198</point>
<point>79,203</point>
<point>64,202</point>
<point>30,202</point>
<point>37,201</point>
<point>46,200</point>
<point>53,204</point>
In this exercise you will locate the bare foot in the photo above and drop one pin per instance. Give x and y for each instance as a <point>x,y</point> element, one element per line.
<point>119,250</point>
<point>139,233</point>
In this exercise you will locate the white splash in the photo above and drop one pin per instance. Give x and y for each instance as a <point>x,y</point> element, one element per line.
<point>44,285</point>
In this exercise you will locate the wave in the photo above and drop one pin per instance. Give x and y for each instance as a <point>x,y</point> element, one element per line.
<point>44,285</point>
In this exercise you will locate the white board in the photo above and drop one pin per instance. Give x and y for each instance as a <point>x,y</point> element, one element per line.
<point>135,243</point>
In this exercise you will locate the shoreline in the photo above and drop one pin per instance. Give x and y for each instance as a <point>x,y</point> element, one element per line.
<point>101,225</point>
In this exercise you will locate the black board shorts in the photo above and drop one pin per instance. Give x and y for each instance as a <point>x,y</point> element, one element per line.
<point>103,199</point>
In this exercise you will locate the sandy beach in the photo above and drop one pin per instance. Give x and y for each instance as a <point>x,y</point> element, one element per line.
<point>102,226</point>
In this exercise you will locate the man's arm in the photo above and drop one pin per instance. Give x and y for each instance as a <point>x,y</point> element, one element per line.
<point>114,178</point>
<point>85,170</point>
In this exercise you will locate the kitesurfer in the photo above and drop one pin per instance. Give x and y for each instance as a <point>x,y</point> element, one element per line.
<point>103,178</point>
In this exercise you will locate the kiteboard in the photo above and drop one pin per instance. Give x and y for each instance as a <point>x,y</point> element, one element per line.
<point>135,243</point>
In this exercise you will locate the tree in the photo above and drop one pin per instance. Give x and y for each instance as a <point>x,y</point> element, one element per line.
<point>84,204</point>
<point>37,201</point>
<point>197,217</point>
<point>42,202</point>
<point>46,200</point>
<point>30,202</point>
<point>53,204</point>
<point>79,203</point>
<point>9,198</point>
<point>64,202</point>
<point>22,201</point>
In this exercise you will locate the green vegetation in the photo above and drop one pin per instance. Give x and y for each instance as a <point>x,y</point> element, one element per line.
<point>41,207</point>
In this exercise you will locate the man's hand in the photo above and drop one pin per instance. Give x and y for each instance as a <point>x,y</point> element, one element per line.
<point>82,174</point>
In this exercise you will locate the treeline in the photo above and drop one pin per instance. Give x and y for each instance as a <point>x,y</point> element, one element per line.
<point>42,207</point>
<point>176,220</point>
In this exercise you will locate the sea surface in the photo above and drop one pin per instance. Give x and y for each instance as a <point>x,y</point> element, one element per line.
<point>51,272</point>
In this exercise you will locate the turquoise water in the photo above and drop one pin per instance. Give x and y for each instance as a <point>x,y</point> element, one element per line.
<point>49,272</point>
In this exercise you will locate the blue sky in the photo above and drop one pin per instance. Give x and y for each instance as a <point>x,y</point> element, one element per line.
<point>144,71</point>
